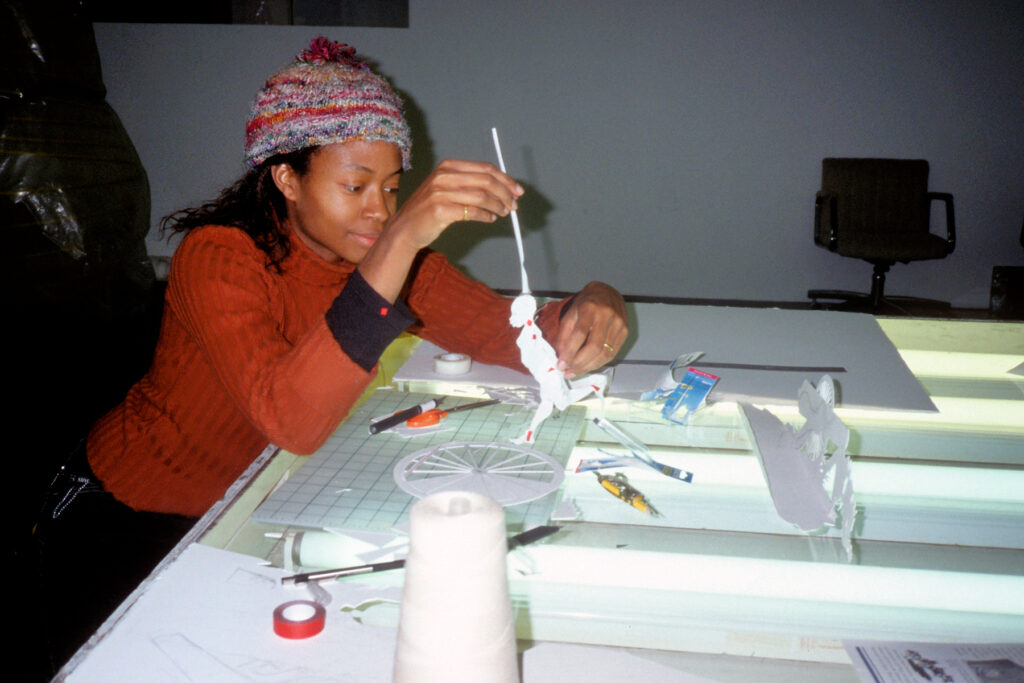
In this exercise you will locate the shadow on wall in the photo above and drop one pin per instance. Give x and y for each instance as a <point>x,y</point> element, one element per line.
<point>457,242</point>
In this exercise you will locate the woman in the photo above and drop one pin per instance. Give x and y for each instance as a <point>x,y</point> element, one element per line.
<point>284,293</point>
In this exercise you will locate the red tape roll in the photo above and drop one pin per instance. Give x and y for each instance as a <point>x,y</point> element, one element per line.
<point>299,619</point>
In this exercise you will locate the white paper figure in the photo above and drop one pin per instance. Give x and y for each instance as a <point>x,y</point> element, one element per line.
<point>796,466</point>
<point>537,355</point>
<point>541,360</point>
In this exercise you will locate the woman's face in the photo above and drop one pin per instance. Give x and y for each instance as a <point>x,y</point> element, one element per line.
<point>339,206</point>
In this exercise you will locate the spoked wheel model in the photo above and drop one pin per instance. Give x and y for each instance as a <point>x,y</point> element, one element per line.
<point>506,473</point>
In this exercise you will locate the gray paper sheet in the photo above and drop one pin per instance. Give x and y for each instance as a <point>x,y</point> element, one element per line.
<point>764,354</point>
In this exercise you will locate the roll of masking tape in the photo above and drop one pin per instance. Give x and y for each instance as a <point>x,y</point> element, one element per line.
<point>452,364</point>
<point>299,619</point>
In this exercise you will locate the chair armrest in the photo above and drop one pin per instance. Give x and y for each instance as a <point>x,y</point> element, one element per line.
<point>947,199</point>
<point>825,220</point>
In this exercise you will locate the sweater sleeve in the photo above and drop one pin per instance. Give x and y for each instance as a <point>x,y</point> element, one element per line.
<point>462,315</point>
<point>293,391</point>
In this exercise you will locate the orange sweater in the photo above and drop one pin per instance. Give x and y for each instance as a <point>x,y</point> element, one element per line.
<point>245,357</point>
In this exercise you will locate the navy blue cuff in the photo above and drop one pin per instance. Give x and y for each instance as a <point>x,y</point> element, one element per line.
<point>364,323</point>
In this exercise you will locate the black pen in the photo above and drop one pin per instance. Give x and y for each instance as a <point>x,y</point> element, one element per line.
<point>403,415</point>
<point>514,542</point>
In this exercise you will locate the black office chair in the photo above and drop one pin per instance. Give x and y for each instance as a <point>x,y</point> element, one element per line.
<point>878,210</point>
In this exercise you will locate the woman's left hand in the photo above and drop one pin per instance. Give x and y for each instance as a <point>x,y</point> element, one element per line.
<point>592,329</point>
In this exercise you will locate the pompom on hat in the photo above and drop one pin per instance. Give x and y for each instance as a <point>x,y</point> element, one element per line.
<point>326,96</point>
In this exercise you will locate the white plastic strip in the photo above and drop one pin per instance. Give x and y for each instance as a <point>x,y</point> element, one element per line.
<point>514,216</point>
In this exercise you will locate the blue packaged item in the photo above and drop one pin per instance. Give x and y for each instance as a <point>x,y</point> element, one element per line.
<point>688,395</point>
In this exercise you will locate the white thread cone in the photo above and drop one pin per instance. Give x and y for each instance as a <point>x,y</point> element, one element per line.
<point>456,621</point>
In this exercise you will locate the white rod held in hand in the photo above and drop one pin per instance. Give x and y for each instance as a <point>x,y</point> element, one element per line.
<point>514,215</point>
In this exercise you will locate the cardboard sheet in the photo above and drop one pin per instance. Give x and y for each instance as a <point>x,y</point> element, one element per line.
<point>420,367</point>
<point>221,631</point>
<point>762,355</point>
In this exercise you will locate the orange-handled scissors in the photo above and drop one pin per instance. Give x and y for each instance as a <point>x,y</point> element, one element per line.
<point>428,418</point>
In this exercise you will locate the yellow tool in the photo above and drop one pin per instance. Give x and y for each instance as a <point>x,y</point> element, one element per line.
<point>618,485</point>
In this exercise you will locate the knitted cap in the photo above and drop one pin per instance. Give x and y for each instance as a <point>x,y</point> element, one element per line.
<point>326,96</point>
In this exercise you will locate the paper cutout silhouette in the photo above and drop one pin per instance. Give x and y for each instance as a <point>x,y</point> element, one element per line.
<point>796,467</point>
<point>537,355</point>
<point>541,360</point>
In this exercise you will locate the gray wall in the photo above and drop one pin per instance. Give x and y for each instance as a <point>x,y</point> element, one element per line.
<point>671,148</point>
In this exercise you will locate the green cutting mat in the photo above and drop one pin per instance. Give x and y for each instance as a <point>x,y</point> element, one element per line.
<point>348,483</point>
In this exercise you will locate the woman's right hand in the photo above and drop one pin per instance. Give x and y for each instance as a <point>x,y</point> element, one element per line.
<point>454,191</point>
